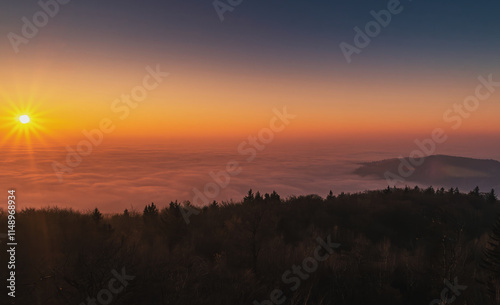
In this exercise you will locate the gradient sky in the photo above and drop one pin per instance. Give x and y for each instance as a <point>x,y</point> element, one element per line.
<point>264,55</point>
<point>226,77</point>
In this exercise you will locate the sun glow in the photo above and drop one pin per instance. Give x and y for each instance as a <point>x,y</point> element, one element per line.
<point>24,124</point>
<point>25,119</point>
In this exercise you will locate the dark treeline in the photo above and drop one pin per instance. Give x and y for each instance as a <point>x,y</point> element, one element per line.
<point>397,246</point>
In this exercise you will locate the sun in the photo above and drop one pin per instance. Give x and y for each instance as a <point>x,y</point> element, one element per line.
<point>25,119</point>
<point>21,124</point>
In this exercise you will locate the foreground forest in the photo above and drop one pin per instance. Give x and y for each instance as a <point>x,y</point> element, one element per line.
<point>393,246</point>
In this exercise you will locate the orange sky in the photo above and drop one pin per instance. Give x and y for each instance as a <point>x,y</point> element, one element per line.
<point>217,100</point>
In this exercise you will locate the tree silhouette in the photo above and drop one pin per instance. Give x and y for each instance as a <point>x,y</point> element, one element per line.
<point>249,197</point>
<point>492,197</point>
<point>174,206</point>
<point>96,215</point>
<point>214,205</point>
<point>258,197</point>
<point>490,262</point>
<point>330,196</point>
<point>150,212</point>
<point>275,197</point>
<point>397,246</point>
<point>388,190</point>
<point>451,191</point>
<point>475,192</point>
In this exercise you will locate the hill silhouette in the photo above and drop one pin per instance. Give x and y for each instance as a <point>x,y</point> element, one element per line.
<point>440,171</point>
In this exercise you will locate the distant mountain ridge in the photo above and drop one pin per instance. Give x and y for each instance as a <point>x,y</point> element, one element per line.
<point>438,171</point>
